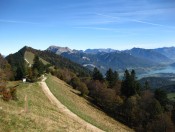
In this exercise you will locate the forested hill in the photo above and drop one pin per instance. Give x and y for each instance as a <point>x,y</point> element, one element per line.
<point>18,60</point>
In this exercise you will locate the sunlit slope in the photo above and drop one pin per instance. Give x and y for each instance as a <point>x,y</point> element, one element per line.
<point>83,108</point>
<point>42,114</point>
<point>29,56</point>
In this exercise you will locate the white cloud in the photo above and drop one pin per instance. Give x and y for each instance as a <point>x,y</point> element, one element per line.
<point>17,22</point>
<point>124,19</point>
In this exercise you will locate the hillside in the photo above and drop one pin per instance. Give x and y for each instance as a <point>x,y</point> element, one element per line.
<point>83,108</point>
<point>157,82</point>
<point>29,56</point>
<point>42,115</point>
<point>18,60</point>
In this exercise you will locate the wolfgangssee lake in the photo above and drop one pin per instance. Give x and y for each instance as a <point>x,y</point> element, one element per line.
<point>168,70</point>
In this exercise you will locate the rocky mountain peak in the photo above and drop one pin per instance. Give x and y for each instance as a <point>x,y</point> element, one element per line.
<point>59,50</point>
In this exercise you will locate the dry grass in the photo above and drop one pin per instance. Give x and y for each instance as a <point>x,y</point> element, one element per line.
<point>30,56</point>
<point>67,96</point>
<point>42,115</point>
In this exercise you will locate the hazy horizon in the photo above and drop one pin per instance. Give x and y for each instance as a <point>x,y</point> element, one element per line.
<point>82,25</point>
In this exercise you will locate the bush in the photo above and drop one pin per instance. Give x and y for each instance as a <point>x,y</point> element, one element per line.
<point>74,82</point>
<point>13,94</point>
<point>6,95</point>
<point>77,84</point>
<point>83,89</point>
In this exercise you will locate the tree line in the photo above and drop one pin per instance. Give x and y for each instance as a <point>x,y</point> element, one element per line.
<point>128,102</point>
<point>125,100</point>
<point>6,74</point>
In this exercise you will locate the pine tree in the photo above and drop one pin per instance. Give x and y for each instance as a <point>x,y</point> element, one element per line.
<point>97,75</point>
<point>125,84</point>
<point>38,65</point>
<point>130,86</point>
<point>111,77</point>
<point>161,96</point>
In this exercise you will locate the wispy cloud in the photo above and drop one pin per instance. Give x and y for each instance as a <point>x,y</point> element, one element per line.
<point>134,20</point>
<point>148,23</point>
<point>16,22</point>
<point>97,28</point>
<point>108,16</point>
<point>114,30</point>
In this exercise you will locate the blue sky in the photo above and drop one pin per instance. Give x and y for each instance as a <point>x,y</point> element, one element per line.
<point>82,24</point>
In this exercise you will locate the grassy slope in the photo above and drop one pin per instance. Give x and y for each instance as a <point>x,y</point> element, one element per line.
<point>30,56</point>
<point>42,115</point>
<point>67,96</point>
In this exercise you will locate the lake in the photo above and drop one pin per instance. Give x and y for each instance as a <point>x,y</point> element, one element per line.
<point>168,69</point>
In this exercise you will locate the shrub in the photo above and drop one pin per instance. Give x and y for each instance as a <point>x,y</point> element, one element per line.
<point>13,93</point>
<point>83,89</point>
<point>6,95</point>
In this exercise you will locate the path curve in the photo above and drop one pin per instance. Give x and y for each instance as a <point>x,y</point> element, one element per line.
<point>65,110</point>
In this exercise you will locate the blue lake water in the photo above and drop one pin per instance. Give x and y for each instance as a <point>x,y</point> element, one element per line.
<point>168,69</point>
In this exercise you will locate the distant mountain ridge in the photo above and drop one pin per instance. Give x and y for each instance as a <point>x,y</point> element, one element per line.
<point>149,54</point>
<point>95,51</point>
<point>167,51</point>
<point>135,58</point>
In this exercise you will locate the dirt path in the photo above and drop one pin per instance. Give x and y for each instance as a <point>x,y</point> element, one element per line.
<point>87,126</point>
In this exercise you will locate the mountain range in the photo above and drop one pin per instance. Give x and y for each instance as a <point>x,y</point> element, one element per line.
<point>135,58</point>
<point>142,60</point>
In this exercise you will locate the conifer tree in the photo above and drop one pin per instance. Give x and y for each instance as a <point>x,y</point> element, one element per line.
<point>111,77</point>
<point>97,75</point>
<point>129,84</point>
<point>161,96</point>
<point>38,66</point>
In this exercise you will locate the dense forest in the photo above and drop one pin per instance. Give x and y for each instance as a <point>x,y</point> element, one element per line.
<point>127,101</point>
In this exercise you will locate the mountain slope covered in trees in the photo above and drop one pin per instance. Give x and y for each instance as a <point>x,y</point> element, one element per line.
<point>18,61</point>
